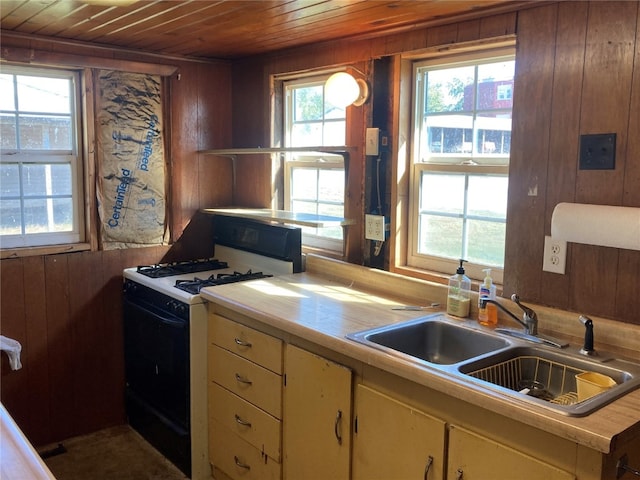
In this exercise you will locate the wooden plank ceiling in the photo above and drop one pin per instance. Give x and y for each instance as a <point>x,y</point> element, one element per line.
<point>225,28</point>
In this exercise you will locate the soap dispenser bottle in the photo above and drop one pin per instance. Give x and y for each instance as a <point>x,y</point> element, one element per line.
<point>459,295</point>
<point>489,314</point>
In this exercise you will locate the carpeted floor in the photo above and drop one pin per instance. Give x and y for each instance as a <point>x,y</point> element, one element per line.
<point>114,453</point>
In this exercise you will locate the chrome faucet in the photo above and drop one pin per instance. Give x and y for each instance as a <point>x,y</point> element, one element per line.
<point>529,318</point>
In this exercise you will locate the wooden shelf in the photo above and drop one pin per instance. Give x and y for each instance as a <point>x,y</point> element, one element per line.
<point>227,152</point>
<point>282,216</point>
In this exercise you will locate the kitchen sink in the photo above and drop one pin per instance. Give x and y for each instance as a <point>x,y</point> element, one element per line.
<point>509,366</point>
<point>549,377</point>
<point>432,339</point>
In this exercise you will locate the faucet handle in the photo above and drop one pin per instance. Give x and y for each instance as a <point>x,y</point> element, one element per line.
<point>587,349</point>
<point>528,311</point>
<point>530,318</point>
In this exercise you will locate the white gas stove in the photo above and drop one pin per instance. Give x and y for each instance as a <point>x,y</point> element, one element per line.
<point>165,322</point>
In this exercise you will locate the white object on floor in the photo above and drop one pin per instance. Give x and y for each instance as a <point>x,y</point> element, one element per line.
<point>18,458</point>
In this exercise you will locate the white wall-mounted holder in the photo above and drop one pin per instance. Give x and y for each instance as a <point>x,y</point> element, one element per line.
<point>602,225</point>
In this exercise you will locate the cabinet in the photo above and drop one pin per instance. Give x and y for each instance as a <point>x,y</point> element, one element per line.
<point>472,456</point>
<point>317,417</point>
<point>393,440</point>
<point>245,401</point>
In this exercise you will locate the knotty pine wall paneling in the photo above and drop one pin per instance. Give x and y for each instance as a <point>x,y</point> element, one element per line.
<point>605,107</point>
<point>565,124</point>
<point>575,75</point>
<point>255,174</point>
<point>529,152</point>
<point>66,309</point>
<point>628,284</point>
<point>201,120</point>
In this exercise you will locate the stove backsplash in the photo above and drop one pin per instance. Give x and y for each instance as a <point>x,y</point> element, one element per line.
<point>279,241</point>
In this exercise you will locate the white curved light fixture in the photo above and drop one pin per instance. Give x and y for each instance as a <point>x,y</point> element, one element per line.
<point>343,90</point>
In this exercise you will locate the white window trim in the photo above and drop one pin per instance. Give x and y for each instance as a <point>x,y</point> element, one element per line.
<point>494,166</point>
<point>74,158</point>
<point>323,161</point>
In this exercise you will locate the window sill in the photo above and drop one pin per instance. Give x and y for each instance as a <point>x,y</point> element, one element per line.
<point>436,277</point>
<point>45,250</point>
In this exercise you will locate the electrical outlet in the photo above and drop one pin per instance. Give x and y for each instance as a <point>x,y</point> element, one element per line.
<point>555,255</point>
<point>374,227</point>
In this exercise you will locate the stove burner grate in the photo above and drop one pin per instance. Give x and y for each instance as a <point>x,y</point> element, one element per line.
<point>194,286</point>
<point>160,270</point>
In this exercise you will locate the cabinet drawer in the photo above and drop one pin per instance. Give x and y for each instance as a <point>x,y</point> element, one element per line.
<point>256,346</point>
<point>239,459</point>
<point>246,420</point>
<point>258,385</point>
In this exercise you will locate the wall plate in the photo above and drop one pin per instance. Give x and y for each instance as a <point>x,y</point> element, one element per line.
<point>374,227</point>
<point>555,255</point>
<point>598,152</point>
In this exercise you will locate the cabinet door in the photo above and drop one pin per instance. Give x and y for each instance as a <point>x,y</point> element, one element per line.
<point>473,457</point>
<point>394,441</point>
<point>316,418</point>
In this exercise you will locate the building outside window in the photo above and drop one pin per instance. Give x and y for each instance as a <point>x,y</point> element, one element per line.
<point>40,171</point>
<point>460,162</point>
<point>314,183</point>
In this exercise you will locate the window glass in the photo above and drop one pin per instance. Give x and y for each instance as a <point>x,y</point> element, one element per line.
<point>40,195</point>
<point>314,183</point>
<point>462,124</point>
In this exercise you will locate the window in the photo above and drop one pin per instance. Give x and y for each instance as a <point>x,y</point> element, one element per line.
<point>460,157</point>
<point>40,177</point>
<point>314,183</point>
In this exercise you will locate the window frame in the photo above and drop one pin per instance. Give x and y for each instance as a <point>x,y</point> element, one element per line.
<point>463,163</point>
<point>320,161</point>
<point>52,241</point>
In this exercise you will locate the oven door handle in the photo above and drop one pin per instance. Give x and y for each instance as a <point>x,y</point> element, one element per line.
<point>160,315</point>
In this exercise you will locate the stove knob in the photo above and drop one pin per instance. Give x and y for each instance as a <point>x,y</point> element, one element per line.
<point>130,287</point>
<point>176,307</point>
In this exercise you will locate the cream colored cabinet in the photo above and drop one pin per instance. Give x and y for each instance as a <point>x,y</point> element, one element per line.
<point>475,457</point>
<point>245,401</point>
<point>317,417</point>
<point>394,441</point>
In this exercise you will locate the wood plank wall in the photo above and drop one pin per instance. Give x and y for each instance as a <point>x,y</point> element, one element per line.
<point>577,73</point>
<point>65,309</point>
<point>66,312</point>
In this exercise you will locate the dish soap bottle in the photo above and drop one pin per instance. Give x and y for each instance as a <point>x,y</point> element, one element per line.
<point>489,314</point>
<point>458,298</point>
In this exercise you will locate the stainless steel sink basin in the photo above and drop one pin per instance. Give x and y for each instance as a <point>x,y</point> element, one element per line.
<point>510,366</point>
<point>547,377</point>
<point>432,339</point>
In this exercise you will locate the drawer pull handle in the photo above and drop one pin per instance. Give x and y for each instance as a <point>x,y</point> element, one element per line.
<point>459,474</point>
<point>242,422</point>
<point>622,467</point>
<point>241,464</point>
<point>241,379</point>
<point>242,343</point>
<point>428,467</point>
<point>336,427</point>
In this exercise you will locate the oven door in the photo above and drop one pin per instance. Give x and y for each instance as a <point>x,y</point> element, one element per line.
<point>156,347</point>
